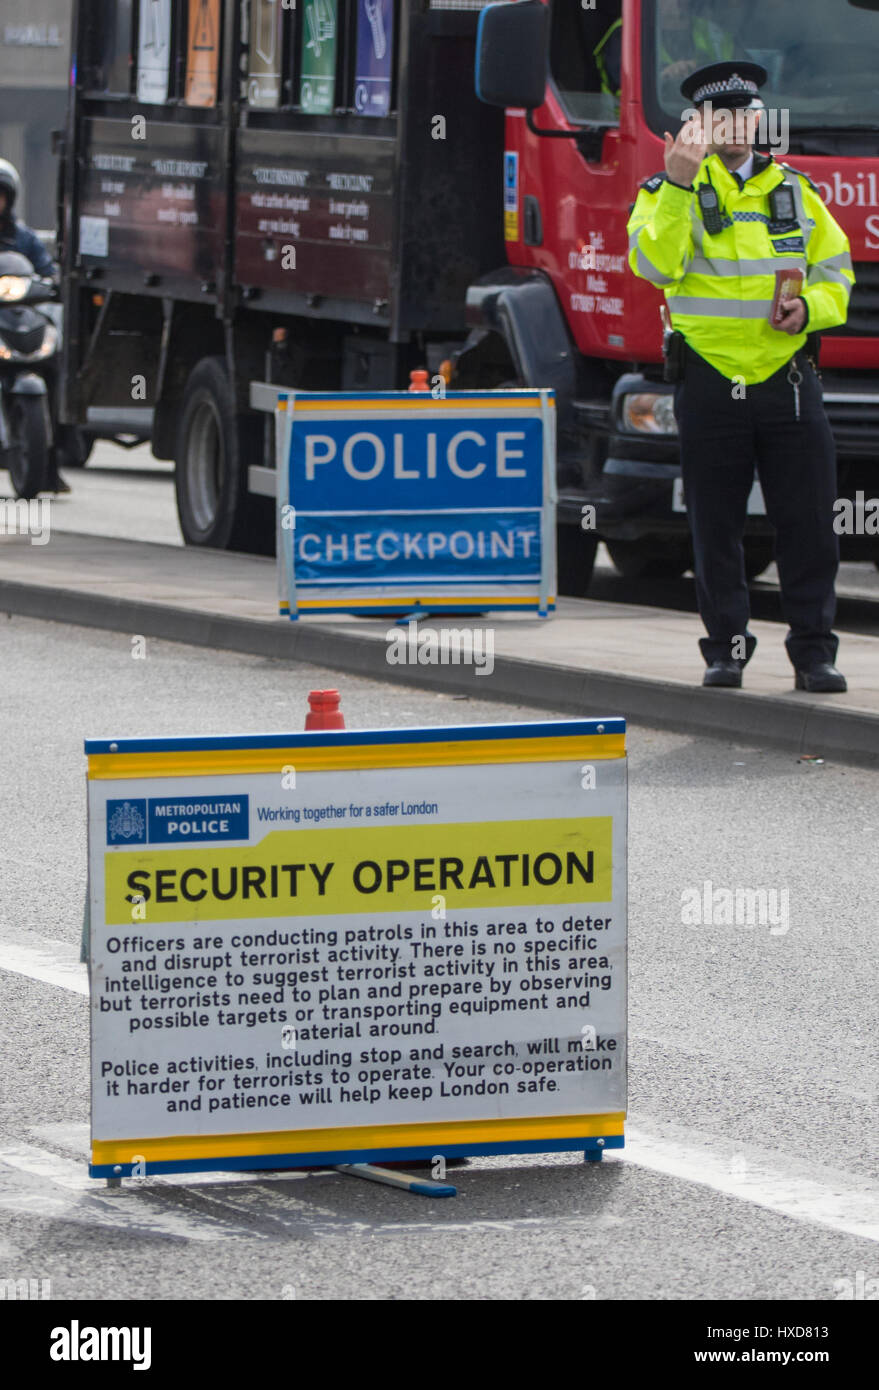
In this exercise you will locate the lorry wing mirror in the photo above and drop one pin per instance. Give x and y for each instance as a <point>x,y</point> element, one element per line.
<point>511,54</point>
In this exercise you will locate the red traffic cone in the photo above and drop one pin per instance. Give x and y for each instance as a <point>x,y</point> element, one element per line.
<point>323,710</point>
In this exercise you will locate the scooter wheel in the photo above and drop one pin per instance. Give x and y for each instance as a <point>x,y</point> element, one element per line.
<point>29,454</point>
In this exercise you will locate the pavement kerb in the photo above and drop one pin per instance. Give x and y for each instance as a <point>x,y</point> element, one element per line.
<point>847,735</point>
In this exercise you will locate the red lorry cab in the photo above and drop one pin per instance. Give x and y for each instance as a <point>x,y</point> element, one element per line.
<point>568,201</point>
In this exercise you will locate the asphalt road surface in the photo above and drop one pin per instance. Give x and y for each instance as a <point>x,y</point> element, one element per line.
<point>750,1163</point>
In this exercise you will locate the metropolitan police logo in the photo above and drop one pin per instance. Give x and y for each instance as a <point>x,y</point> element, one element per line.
<point>126,822</point>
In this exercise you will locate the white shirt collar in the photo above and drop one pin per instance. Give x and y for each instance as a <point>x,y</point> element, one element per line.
<point>745,170</point>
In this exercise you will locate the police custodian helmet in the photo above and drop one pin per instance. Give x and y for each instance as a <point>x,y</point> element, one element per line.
<point>728,85</point>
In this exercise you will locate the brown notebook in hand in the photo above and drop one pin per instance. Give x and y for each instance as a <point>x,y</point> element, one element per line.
<point>788,285</point>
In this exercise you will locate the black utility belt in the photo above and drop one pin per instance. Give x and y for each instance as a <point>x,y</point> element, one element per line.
<point>678,354</point>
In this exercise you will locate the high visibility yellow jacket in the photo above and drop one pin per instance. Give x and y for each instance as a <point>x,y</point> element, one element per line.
<point>719,288</point>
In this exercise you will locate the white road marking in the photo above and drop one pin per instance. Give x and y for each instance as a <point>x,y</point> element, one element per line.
<point>56,967</point>
<point>842,1201</point>
<point>75,1138</point>
<point>38,1183</point>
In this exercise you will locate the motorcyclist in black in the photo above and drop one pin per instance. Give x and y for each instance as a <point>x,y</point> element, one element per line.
<point>17,236</point>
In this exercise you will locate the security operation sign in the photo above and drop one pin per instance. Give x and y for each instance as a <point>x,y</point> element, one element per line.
<point>391,502</point>
<point>335,947</point>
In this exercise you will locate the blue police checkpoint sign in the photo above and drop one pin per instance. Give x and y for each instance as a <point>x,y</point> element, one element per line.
<point>394,502</point>
<point>351,945</point>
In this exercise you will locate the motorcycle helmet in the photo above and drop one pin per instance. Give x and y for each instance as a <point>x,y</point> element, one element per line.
<point>10,183</point>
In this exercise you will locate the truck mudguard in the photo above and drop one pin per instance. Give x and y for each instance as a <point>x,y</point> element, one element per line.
<point>521,305</point>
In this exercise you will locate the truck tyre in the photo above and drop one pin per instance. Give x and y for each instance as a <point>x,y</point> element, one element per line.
<point>576,559</point>
<point>29,456</point>
<point>651,558</point>
<point>215,446</point>
<point>73,445</point>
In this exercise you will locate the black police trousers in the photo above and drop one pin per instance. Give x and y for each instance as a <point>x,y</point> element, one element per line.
<point>721,439</point>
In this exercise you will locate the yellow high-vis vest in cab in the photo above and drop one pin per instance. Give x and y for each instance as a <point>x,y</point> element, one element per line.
<point>719,288</point>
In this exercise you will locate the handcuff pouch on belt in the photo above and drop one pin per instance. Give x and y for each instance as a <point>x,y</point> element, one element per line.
<point>673,345</point>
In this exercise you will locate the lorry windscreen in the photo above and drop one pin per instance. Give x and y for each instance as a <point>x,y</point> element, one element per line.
<point>821,59</point>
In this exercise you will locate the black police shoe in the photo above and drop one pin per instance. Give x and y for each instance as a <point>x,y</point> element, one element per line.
<point>723,673</point>
<point>822,680</point>
<point>727,673</point>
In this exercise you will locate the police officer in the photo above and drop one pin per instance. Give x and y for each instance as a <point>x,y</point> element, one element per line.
<point>713,231</point>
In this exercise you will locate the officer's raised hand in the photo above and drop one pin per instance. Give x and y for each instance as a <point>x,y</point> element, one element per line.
<point>791,316</point>
<point>685,153</point>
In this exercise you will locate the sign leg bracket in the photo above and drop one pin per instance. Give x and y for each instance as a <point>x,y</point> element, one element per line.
<point>422,1187</point>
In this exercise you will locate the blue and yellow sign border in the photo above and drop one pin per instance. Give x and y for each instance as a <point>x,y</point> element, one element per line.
<point>392,598</point>
<point>543,741</point>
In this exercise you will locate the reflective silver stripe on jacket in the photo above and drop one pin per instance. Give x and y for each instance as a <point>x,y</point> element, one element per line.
<point>725,267</point>
<point>650,272</point>
<point>832,269</point>
<point>720,308</point>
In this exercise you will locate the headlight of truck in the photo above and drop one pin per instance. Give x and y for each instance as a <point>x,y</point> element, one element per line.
<point>650,413</point>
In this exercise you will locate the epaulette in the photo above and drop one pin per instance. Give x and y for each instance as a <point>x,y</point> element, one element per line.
<point>802,173</point>
<point>654,183</point>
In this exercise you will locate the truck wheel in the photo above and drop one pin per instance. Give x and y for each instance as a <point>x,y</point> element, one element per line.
<point>73,445</point>
<point>215,445</point>
<point>651,559</point>
<point>576,558</point>
<point>29,454</point>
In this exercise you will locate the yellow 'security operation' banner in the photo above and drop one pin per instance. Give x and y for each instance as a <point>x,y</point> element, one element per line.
<point>378,869</point>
